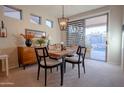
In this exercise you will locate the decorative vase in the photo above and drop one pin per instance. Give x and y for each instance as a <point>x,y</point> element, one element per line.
<point>28,42</point>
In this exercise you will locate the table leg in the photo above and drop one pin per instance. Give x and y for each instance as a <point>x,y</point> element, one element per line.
<point>64,64</point>
<point>7,70</point>
<point>3,65</point>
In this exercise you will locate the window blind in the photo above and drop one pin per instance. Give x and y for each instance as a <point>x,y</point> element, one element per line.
<point>76,33</point>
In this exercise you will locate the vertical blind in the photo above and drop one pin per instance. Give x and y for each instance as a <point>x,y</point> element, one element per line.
<point>76,33</point>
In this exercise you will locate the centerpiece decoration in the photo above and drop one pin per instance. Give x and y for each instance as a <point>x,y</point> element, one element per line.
<point>41,41</point>
<point>28,39</point>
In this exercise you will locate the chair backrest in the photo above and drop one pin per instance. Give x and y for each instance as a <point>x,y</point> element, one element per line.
<point>41,53</point>
<point>81,51</point>
<point>58,46</point>
<point>52,47</point>
<point>55,47</point>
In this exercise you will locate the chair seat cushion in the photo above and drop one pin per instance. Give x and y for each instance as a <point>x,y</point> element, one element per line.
<point>73,59</point>
<point>51,62</point>
<point>70,55</point>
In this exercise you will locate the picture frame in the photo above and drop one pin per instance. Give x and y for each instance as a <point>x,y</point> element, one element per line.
<point>3,32</point>
<point>36,33</point>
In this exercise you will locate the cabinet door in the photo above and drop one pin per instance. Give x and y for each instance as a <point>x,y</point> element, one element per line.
<point>29,56</point>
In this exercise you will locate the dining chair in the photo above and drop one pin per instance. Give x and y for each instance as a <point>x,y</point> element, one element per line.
<point>53,47</point>
<point>47,63</point>
<point>77,58</point>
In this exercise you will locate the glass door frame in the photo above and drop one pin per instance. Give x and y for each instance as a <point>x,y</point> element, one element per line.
<point>106,50</point>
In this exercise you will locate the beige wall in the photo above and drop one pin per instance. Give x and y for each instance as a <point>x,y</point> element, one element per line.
<point>114,30</point>
<point>114,35</point>
<point>122,51</point>
<point>15,27</point>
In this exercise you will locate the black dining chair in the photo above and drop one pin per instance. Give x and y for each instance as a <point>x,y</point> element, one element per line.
<point>53,47</point>
<point>47,63</point>
<point>77,58</point>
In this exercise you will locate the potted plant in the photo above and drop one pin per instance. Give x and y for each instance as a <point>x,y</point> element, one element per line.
<point>28,39</point>
<point>41,41</point>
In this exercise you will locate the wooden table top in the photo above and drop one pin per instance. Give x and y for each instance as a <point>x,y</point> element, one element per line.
<point>63,52</point>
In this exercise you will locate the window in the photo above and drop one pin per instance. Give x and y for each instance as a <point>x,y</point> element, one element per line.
<point>35,19</point>
<point>76,33</point>
<point>12,12</point>
<point>49,23</point>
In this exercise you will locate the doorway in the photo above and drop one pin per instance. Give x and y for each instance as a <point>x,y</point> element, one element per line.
<point>95,37</point>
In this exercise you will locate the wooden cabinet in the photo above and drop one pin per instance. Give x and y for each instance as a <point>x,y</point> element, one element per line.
<point>26,55</point>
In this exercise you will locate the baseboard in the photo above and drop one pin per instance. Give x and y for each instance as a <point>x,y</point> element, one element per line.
<point>114,63</point>
<point>12,67</point>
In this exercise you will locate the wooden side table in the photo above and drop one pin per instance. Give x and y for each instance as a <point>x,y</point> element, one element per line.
<point>26,55</point>
<point>4,58</point>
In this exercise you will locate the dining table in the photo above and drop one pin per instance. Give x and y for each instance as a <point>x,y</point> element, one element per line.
<point>68,51</point>
<point>62,53</point>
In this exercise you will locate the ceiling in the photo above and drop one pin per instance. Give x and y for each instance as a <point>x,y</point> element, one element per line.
<point>69,10</point>
<point>76,9</point>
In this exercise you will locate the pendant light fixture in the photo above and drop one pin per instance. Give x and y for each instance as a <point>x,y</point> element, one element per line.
<point>63,21</point>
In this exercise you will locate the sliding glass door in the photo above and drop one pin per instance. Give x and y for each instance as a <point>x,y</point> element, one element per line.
<point>95,37</point>
<point>92,33</point>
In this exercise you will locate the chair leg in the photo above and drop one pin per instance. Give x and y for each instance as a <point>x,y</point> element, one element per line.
<point>83,64</point>
<point>57,68</point>
<point>19,65</point>
<point>78,70</point>
<point>23,67</point>
<point>61,69</point>
<point>64,67</point>
<point>64,63</point>
<point>51,70</point>
<point>45,76</point>
<point>73,66</point>
<point>38,73</point>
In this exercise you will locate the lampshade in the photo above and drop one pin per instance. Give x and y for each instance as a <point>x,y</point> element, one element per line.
<point>63,21</point>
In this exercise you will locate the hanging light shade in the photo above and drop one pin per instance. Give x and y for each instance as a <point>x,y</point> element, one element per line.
<point>63,21</point>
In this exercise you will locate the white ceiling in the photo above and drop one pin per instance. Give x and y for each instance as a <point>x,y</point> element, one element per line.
<point>69,10</point>
<point>76,9</point>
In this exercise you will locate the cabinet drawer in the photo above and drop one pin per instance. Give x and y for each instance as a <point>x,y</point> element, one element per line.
<point>29,62</point>
<point>26,55</point>
<point>30,50</point>
<point>29,59</point>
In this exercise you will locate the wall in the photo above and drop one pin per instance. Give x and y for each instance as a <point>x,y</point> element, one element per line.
<point>15,27</point>
<point>114,35</point>
<point>122,57</point>
<point>114,30</point>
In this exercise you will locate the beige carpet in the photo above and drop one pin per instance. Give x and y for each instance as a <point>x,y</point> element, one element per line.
<point>98,74</point>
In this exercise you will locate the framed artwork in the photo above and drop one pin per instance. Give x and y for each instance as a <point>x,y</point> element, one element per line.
<point>36,33</point>
<point>3,30</point>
